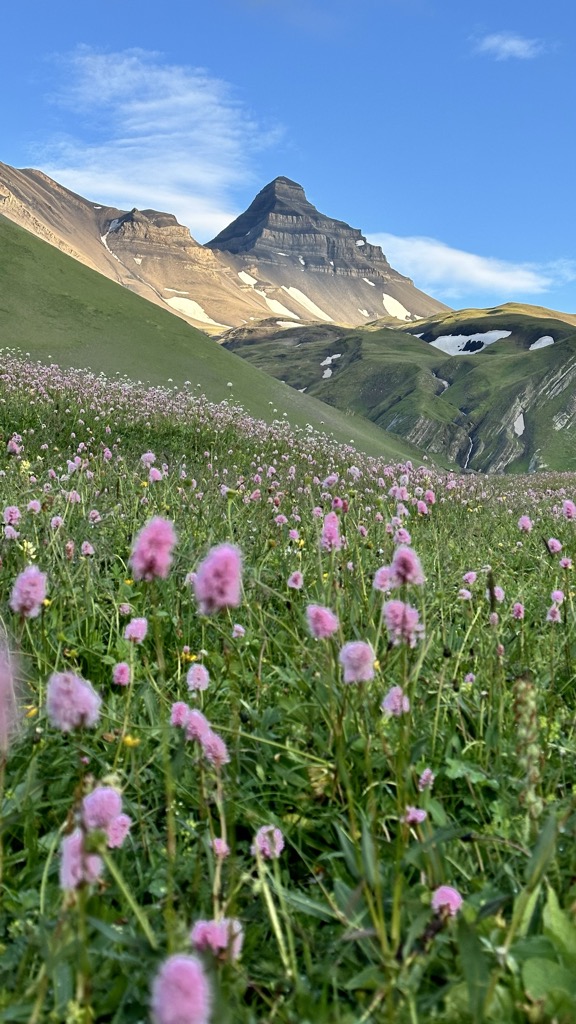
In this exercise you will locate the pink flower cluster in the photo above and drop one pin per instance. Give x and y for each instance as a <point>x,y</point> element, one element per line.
<point>151,556</point>
<point>357,660</point>
<point>181,992</point>
<point>402,623</point>
<point>71,702</point>
<point>224,937</point>
<point>197,727</point>
<point>28,592</point>
<point>322,622</point>
<point>218,579</point>
<point>405,568</point>
<point>101,810</point>
<point>268,843</point>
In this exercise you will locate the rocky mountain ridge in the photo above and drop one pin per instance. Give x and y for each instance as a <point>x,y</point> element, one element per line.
<point>280,257</point>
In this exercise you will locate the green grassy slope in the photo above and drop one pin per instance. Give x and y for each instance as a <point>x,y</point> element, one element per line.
<point>55,308</point>
<point>399,381</point>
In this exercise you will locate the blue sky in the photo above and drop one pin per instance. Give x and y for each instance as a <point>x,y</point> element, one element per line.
<point>443,129</point>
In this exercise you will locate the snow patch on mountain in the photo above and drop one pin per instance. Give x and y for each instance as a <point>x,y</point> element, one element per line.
<point>467,344</point>
<point>395,308</point>
<point>542,342</point>
<point>193,310</point>
<point>303,300</point>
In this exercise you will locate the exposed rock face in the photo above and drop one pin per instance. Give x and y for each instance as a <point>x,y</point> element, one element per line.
<point>282,219</point>
<point>282,235</point>
<point>280,257</point>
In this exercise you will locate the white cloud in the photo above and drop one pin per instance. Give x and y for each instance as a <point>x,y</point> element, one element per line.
<point>150,134</point>
<point>435,266</point>
<point>509,45</point>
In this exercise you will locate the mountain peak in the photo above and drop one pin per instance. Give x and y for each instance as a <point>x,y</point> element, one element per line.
<point>282,222</point>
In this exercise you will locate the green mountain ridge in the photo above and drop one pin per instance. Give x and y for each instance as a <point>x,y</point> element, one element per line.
<point>57,309</point>
<point>505,408</point>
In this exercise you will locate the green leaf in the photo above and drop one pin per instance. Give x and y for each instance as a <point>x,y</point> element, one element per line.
<point>305,905</point>
<point>369,856</point>
<point>542,979</point>
<point>542,853</point>
<point>528,911</point>
<point>370,978</point>
<point>559,928</point>
<point>348,851</point>
<point>475,967</point>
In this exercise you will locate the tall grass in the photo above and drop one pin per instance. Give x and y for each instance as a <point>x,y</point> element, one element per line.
<point>352,920</point>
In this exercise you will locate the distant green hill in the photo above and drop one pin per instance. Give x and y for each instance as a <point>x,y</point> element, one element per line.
<point>511,406</point>
<point>56,309</point>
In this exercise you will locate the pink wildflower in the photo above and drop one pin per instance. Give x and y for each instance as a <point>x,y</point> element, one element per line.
<point>151,556</point>
<point>396,702</point>
<point>296,580</point>
<point>557,596</point>
<point>565,563</point>
<point>34,506</point>
<point>117,831</point>
<point>469,578</point>
<point>76,865</point>
<point>402,536</point>
<point>29,592</point>
<point>384,579</point>
<point>426,780</point>
<point>136,630</point>
<point>553,614</point>
<point>357,659</point>
<point>148,459</point>
<point>322,622</point>
<point>402,623</point>
<point>86,549</point>
<point>94,516</point>
<point>121,673</point>
<point>268,842</point>
<point>446,901</point>
<point>223,937</point>
<point>422,508</point>
<point>71,702</point>
<point>197,677</point>
<point>331,540</point>
<point>414,816</point>
<point>197,726</point>
<point>100,807</point>
<point>493,618</point>
<point>221,848</point>
<point>155,475</point>
<point>406,566</point>
<point>218,579</point>
<point>464,595</point>
<point>179,714</point>
<point>214,748</point>
<point>554,546</point>
<point>569,510</point>
<point>525,524</point>
<point>181,992</point>
<point>238,631</point>
<point>470,678</point>
<point>12,515</point>
<point>518,611</point>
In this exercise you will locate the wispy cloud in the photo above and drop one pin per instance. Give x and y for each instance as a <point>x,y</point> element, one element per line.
<point>451,273</point>
<point>509,46</point>
<point>140,132</point>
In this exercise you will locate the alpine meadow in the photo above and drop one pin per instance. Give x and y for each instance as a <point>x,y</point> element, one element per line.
<point>287,731</point>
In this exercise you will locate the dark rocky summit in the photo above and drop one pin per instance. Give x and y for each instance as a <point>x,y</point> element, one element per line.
<point>282,222</point>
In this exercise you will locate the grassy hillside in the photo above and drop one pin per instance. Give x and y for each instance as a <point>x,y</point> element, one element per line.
<point>464,407</point>
<point>57,309</point>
